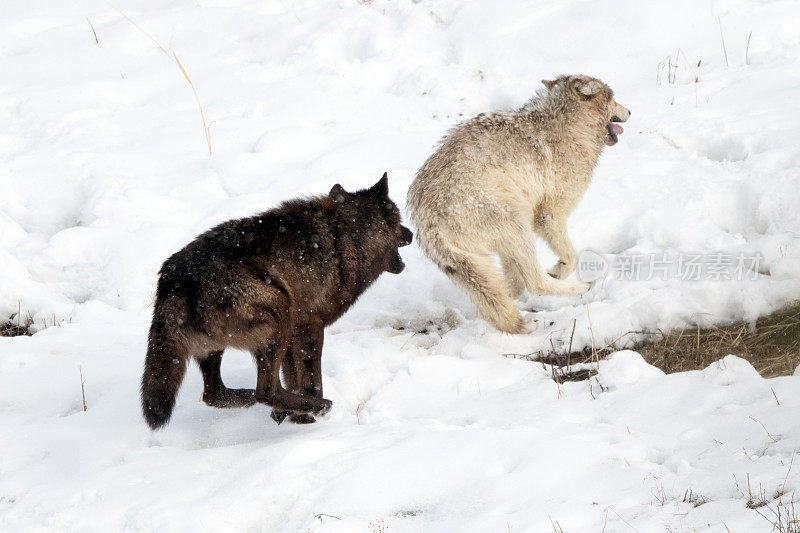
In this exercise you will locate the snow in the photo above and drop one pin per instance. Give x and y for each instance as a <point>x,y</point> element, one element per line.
<point>105,172</point>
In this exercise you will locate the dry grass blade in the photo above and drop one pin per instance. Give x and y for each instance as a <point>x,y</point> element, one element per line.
<point>688,63</point>
<point>118,10</point>
<point>174,58</point>
<point>206,128</point>
<point>591,333</point>
<point>96,40</point>
<point>572,335</point>
<point>722,37</point>
<point>83,391</point>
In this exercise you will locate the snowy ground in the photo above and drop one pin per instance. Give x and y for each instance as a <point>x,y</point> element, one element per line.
<point>105,171</point>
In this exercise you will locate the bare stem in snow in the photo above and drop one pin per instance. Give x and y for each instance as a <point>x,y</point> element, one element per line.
<point>722,37</point>
<point>96,40</point>
<point>747,50</point>
<point>83,391</point>
<point>591,332</point>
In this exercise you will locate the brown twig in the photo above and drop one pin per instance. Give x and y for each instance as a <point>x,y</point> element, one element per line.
<point>409,340</point>
<point>620,517</point>
<point>618,338</point>
<point>772,437</point>
<point>591,333</point>
<point>776,396</point>
<point>569,352</point>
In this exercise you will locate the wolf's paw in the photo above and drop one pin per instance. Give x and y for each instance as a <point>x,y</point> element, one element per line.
<point>561,270</point>
<point>302,418</point>
<point>576,288</point>
<point>227,398</point>
<point>523,325</point>
<point>529,323</point>
<point>322,407</point>
<point>279,415</point>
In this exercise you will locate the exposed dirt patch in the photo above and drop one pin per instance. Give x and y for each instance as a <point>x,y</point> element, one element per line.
<point>772,346</point>
<point>10,328</point>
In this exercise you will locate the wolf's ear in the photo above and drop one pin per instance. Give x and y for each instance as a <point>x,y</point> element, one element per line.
<point>381,189</point>
<point>337,193</point>
<point>587,88</point>
<point>548,83</point>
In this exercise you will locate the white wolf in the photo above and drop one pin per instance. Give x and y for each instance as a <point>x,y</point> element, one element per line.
<point>499,179</point>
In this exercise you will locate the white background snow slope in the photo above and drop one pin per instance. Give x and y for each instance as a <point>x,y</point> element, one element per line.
<point>104,172</point>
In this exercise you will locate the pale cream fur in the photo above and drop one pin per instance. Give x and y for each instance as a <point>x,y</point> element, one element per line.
<point>498,180</point>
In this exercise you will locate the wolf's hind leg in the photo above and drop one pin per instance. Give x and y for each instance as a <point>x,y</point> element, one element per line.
<point>479,277</point>
<point>215,393</point>
<point>554,232</point>
<point>513,276</point>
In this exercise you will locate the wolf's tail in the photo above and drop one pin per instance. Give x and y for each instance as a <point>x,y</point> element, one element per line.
<point>477,275</point>
<point>164,368</point>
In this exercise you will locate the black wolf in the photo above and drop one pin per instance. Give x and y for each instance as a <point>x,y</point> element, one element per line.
<point>268,284</point>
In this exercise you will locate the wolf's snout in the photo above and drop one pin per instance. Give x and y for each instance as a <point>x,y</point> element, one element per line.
<point>622,114</point>
<point>405,236</point>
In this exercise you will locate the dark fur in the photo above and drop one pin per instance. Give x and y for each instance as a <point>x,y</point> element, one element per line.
<point>268,284</point>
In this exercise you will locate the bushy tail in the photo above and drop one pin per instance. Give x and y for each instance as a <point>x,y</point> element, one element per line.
<point>164,368</point>
<point>477,275</point>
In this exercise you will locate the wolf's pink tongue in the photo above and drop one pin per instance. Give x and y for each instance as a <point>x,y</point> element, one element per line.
<point>616,128</point>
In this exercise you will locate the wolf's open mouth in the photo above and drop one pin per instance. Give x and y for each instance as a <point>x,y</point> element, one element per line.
<point>397,264</point>
<point>614,129</point>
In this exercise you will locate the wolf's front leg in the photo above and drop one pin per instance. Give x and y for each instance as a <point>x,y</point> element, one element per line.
<point>554,232</point>
<point>307,359</point>
<point>520,247</point>
<point>269,389</point>
<point>302,367</point>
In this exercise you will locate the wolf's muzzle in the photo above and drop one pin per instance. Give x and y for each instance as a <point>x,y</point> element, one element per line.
<point>624,115</point>
<point>405,236</point>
